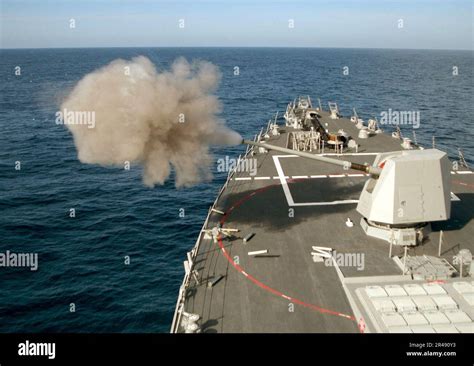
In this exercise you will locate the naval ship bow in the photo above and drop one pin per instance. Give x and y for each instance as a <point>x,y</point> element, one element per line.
<point>343,229</point>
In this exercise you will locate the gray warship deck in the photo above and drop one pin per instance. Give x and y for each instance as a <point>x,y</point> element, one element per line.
<point>284,290</point>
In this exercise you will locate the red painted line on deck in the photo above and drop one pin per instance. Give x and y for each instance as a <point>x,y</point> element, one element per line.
<point>261,284</point>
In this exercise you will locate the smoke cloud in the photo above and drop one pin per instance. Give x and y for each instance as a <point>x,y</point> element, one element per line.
<point>162,120</point>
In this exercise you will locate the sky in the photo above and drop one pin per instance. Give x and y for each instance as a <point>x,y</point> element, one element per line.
<point>412,24</point>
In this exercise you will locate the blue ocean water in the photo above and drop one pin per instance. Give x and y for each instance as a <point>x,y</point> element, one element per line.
<point>81,259</point>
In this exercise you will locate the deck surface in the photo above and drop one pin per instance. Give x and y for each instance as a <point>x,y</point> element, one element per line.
<point>285,291</point>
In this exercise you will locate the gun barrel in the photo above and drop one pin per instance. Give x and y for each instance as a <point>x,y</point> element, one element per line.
<point>375,171</point>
